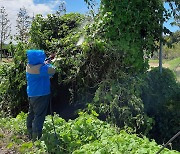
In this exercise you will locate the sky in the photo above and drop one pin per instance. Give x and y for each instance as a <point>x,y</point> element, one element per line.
<point>47,6</point>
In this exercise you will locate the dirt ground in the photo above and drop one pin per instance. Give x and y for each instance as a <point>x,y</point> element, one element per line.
<point>5,60</point>
<point>156,65</point>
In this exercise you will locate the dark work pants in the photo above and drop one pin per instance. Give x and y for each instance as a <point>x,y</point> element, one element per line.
<point>36,115</point>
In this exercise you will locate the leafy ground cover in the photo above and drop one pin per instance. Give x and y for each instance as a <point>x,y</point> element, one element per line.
<point>84,135</point>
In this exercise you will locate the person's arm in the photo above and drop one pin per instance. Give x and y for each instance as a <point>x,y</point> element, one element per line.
<point>47,69</point>
<point>51,69</point>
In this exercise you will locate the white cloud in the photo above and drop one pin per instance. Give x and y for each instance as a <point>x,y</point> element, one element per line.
<point>13,6</point>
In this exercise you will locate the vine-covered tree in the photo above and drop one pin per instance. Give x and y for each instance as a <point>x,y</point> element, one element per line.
<point>133,29</point>
<point>5,28</point>
<point>23,25</point>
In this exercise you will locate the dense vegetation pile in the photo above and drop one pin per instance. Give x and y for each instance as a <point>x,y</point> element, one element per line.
<point>106,72</point>
<point>86,134</point>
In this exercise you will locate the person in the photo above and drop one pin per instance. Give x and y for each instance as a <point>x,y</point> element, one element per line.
<point>38,73</point>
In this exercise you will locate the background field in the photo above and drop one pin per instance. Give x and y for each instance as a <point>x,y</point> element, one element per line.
<point>173,64</point>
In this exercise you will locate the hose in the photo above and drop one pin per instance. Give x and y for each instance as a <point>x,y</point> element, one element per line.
<point>52,117</point>
<point>55,133</point>
<point>169,142</point>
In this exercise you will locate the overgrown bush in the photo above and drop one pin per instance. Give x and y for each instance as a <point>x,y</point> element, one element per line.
<point>13,97</point>
<point>161,100</point>
<point>57,34</point>
<point>60,34</point>
<point>118,101</point>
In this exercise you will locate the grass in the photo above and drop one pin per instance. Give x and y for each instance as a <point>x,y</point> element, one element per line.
<point>173,64</point>
<point>154,61</point>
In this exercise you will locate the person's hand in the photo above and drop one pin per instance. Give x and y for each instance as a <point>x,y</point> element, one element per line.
<point>49,59</point>
<point>52,56</point>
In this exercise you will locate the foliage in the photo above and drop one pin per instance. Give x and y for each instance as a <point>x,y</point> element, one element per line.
<point>53,33</point>
<point>74,134</point>
<point>23,25</point>
<point>175,8</point>
<point>17,125</point>
<point>129,29</point>
<point>86,134</point>
<point>86,66</point>
<point>171,49</point>
<point>131,34</point>
<point>171,53</point>
<point>118,100</point>
<point>121,143</point>
<point>13,84</point>
<point>174,37</point>
<point>95,66</point>
<point>115,48</point>
<point>14,139</point>
<point>171,46</point>
<point>5,28</point>
<point>60,34</point>
<point>161,100</point>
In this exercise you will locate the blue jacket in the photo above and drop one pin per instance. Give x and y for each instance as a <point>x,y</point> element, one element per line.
<point>38,74</point>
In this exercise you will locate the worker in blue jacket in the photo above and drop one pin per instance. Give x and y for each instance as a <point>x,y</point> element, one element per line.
<point>38,73</point>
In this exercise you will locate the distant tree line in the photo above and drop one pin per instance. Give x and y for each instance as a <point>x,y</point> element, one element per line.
<point>23,24</point>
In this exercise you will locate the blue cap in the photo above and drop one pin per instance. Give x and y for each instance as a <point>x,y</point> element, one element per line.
<point>35,57</point>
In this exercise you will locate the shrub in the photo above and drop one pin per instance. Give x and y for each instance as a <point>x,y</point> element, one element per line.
<point>119,102</point>
<point>13,97</point>
<point>161,100</point>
